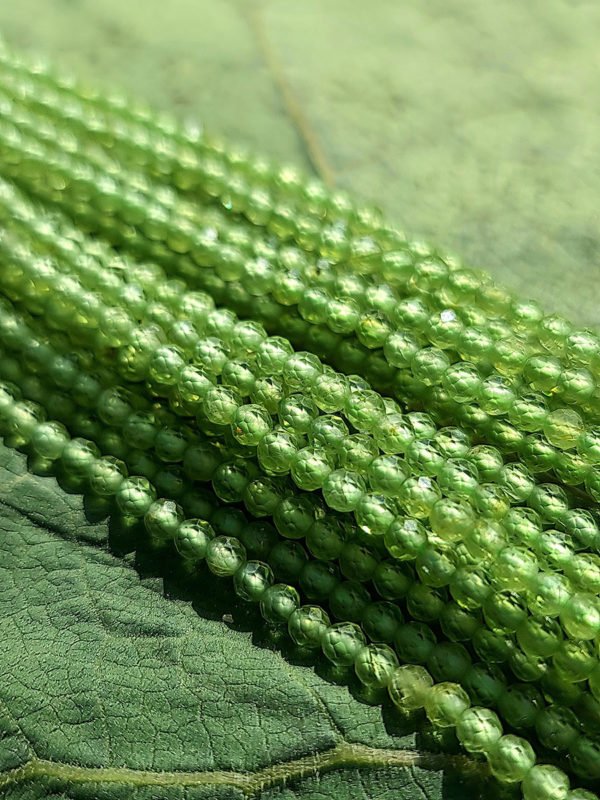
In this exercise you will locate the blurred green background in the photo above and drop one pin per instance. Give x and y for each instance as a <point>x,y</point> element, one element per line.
<point>473,124</point>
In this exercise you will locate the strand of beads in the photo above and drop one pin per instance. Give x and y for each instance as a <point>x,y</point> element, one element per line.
<point>446,704</point>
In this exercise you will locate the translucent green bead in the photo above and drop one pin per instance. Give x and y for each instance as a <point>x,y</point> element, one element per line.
<point>429,364</point>
<point>514,568</point>
<point>318,579</point>
<point>310,468</point>
<point>400,347</point>
<point>78,457</point>
<point>584,757</point>
<point>170,444</point>
<point>357,451</point>
<point>424,457</point>
<point>267,392</point>
<point>386,474</point>
<point>252,579</point>
<point>414,642</point>
<point>343,489</point>
<point>276,451</point>
<point>357,562</point>
<point>307,625</point>
<point>581,526</point>
<point>375,664</point>
<point>135,496</point>
<point>405,538</point>
<point>556,727</point>
<point>580,794</point>
<point>548,594</point>
<point>165,365</point>
<point>545,782</point>
<point>325,538</point>
<point>470,587</point>
<point>504,611</point>
<point>484,682</point>
<point>294,516</point>
<point>448,661</point>
<point>550,501</point>
<point>257,537</point>
<point>287,558</point>
<point>231,479</point>
<point>435,567</point>
<point>542,373</point>
<point>239,376</point>
<point>458,477</point>
<point>220,405</point>
<point>300,370</point>
<point>106,475</point>
<point>330,391</point>
<point>510,758</point>
<point>22,422</point>
<point>140,429</point>
<point>563,428</point>
<point>583,570</point>
<point>262,495</point>
<point>418,496</point>
<point>329,431</point>
<point>488,461</point>
<point>162,520</point>
<point>394,433</point>
<point>271,355</point>
<point>495,395</point>
<point>490,500</point>
<point>225,555</point>
<point>445,703</point>
<point>478,729</point>
<point>297,413</point>
<point>114,406</point>
<point>538,454</point>
<point>462,381</point>
<point>210,354</point>
<point>192,538</point>
<point>528,412</point>
<point>452,442</point>
<point>580,616</point>
<point>576,386</point>
<point>409,686</point>
<point>380,621</point>
<point>451,519</point>
<point>575,661</point>
<point>342,642</point>
<point>539,636</point>
<point>516,481</point>
<point>374,513</point>
<point>250,424</point>
<point>49,439</point>
<point>364,409</point>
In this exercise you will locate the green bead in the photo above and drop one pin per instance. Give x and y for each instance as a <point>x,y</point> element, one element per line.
<point>310,468</point>
<point>458,477</point>
<point>451,519</point>
<point>556,727</point>
<point>478,729</point>
<point>584,757</point>
<point>417,496</point>
<point>510,758</point>
<point>342,642</point>
<point>78,457</point>
<point>328,431</point>
<point>106,475</point>
<point>140,429</point>
<point>170,445</point>
<point>356,452</point>
<point>429,364</point>
<point>414,642</point>
<point>330,391</point>
<point>457,624</point>
<point>461,381</point>
<point>135,496</point>
<point>252,579</point>
<point>581,526</point>
<point>495,395</point>
<point>516,480</point>
<point>220,405</point>
<point>490,500</point>
<point>262,495</point>
<point>307,625</point>
<point>343,489</point>
<point>548,594</point>
<point>424,457</point>
<point>504,611</point>
<point>114,406</point>
<point>399,348</point>
<point>325,538</point>
<point>445,703</point>
<point>162,520</point>
<point>374,514</point>
<point>394,433</point>
<point>294,516</point>
<point>318,579</point>
<point>435,567</point>
<point>250,424</point>
<point>257,537</point>
<point>200,461</point>
<point>580,616</point>
<point>405,538</point>
<point>380,621</point>
<point>452,442</point>
<point>277,451</point>
<point>225,555</point>
<point>210,355</point>
<point>22,423</point>
<point>409,687</point>
<point>540,636</point>
<point>364,409</point>
<point>192,538</point>
<point>357,562</point>
<point>563,428</point>
<point>165,366</point>
<point>545,782</point>
<point>375,664</point>
<point>550,501</point>
<point>386,474</point>
<point>484,683</point>
<point>348,601</point>
<point>231,479</point>
<point>49,439</point>
<point>515,568</point>
<point>300,370</point>
<point>470,587</point>
<point>542,373</point>
<point>492,646</point>
<point>287,558</point>
<point>297,413</point>
<point>238,375</point>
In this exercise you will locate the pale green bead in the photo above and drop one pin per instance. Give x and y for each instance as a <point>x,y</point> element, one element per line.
<point>135,496</point>
<point>495,395</point>
<point>356,452</point>
<point>162,520</point>
<point>342,642</point>
<point>225,555</point>
<point>78,457</point>
<point>343,489</point>
<point>252,579</point>
<point>374,513</point>
<point>478,728</point>
<point>49,440</point>
<point>297,412</point>
<point>409,687</point>
<point>517,481</point>
<point>515,568</point>
<point>330,391</point>
<point>458,477</point>
<point>106,475</point>
<point>375,665</point>
<point>165,366</point>
<point>300,370</point>
<point>364,409</point>
<point>394,433</point>
<point>563,428</point>
<point>417,496</point>
<point>310,468</point>
<point>405,538</point>
<point>220,405</point>
<point>276,452</point>
<point>445,703</point>
<point>307,624</point>
<point>510,758</point>
<point>451,519</point>
<point>549,594</point>
<point>386,474</point>
<point>250,424</point>
<point>452,442</point>
<point>580,616</point>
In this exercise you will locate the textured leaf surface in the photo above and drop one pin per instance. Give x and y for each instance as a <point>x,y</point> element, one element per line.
<point>473,124</point>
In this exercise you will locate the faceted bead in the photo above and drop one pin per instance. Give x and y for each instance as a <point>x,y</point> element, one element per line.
<point>458,477</point>
<point>563,428</point>
<point>542,373</point>
<point>394,433</point>
<point>300,370</point>
<point>294,516</point>
<point>356,452</point>
<point>325,538</point>
<point>287,558</point>
<point>230,480</point>
<point>220,405</point>
<point>462,381</point>
<point>307,624</point>
<point>386,474</point>
<point>451,519</point>
<point>380,621</point>
<point>252,579</point>
<point>539,636</point>
<point>162,520</point>
<point>357,562</point>
<point>78,457</point>
<point>418,496</point>
<point>452,442</point>
<point>342,642</point>
<point>106,475</point>
<point>375,665</point>
<point>49,440</point>
<point>409,687</point>
<point>520,704</point>
<point>495,395</point>
<point>364,409</point>
<point>348,600</point>
<point>445,703</point>
<point>584,757</point>
<point>310,468</point>
<point>170,444</point>
<point>414,642</point>
<point>545,782</point>
<point>318,579</point>
<point>374,514</point>
<point>548,594</point>
<point>343,489</point>
<point>135,496</point>
<point>165,366</point>
<point>237,374</point>
<point>250,424</point>
<point>225,555</point>
<point>510,758</point>
<point>448,661</point>
<point>478,729</point>
<point>515,568</point>
<point>192,538</point>
<point>580,616</point>
<point>405,539</point>
<point>277,451</point>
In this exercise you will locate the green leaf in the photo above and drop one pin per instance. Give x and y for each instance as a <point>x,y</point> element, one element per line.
<point>122,678</point>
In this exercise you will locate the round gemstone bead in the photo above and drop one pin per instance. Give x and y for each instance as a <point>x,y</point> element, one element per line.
<point>162,520</point>
<point>445,703</point>
<point>49,440</point>
<point>310,468</point>
<point>409,687</point>
<point>135,496</point>
<point>252,579</point>
<point>418,495</point>
<point>478,729</point>
<point>342,642</point>
<point>294,516</point>
<point>278,603</point>
<point>250,424</point>
<point>380,621</point>
<point>78,457</point>
<point>510,758</point>
<point>307,624</point>
<point>192,538</point>
<point>225,555</point>
<point>220,405</point>
<point>375,665</point>
<point>343,489</point>
<point>106,475</point>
